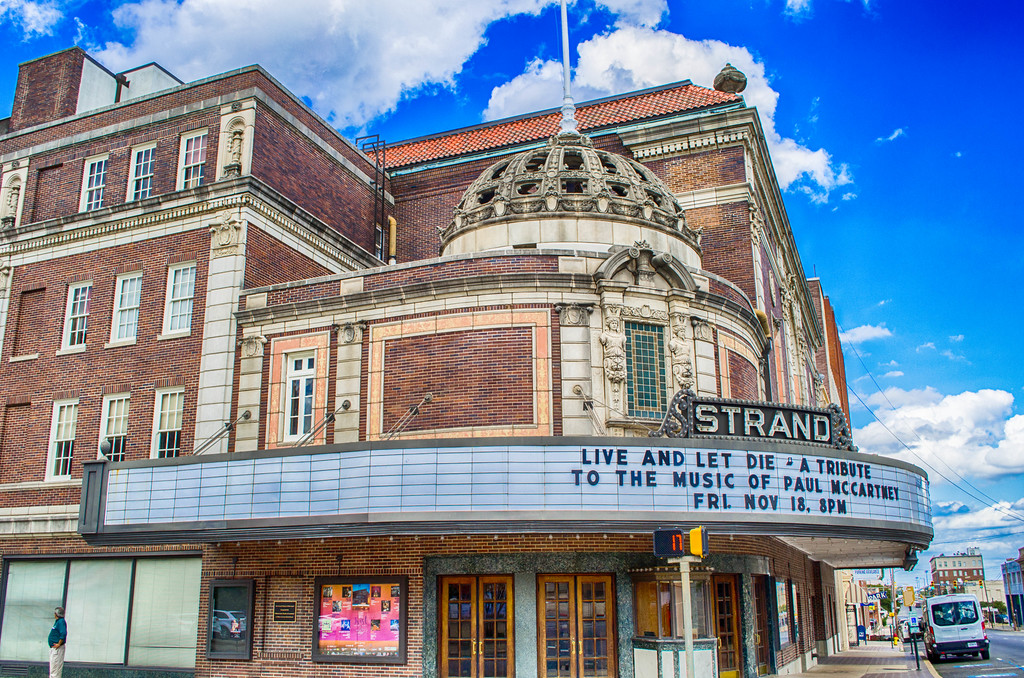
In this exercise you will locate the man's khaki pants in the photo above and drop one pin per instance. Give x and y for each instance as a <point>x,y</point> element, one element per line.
<point>57,661</point>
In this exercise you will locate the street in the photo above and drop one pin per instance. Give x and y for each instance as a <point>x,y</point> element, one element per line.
<point>1006,660</point>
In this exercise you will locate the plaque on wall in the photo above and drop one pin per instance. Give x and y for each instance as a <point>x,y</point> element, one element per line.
<point>284,611</point>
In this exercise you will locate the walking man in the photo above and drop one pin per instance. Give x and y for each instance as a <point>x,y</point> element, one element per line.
<point>57,640</point>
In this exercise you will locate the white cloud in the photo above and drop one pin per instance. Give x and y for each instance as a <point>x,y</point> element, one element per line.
<point>893,374</point>
<point>958,154</point>
<point>957,338</point>
<point>637,12</point>
<point>353,60</point>
<point>849,196</point>
<point>891,363</point>
<point>632,57</point>
<point>799,9</point>
<point>864,333</point>
<point>928,345</point>
<point>883,302</point>
<point>973,433</point>
<point>994,517</point>
<point>896,134</point>
<point>33,18</point>
<point>953,356</point>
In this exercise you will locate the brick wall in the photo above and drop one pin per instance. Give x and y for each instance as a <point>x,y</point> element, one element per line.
<point>55,179</point>
<point>304,173</point>
<point>685,173</point>
<point>475,376</point>
<point>726,242</point>
<point>269,262</point>
<point>47,89</point>
<point>742,378</point>
<point>139,369</point>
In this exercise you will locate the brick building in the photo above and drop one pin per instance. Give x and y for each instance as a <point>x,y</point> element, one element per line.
<point>258,389</point>
<point>951,573</point>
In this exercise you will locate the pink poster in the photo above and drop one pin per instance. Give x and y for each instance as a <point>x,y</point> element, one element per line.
<point>360,620</point>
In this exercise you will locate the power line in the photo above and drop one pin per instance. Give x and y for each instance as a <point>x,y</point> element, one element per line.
<point>984,498</point>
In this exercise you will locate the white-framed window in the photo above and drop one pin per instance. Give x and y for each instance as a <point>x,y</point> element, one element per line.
<point>62,439</point>
<point>140,179</point>
<point>115,425</point>
<point>76,315</point>
<point>94,183</point>
<point>127,298</point>
<point>170,403</point>
<point>300,381</point>
<point>181,287</point>
<point>193,159</point>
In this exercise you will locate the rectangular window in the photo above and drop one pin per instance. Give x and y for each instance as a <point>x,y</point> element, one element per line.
<point>115,425</point>
<point>645,370</point>
<point>140,185</point>
<point>97,608</point>
<point>165,612</point>
<point>62,439</point>
<point>33,590</point>
<point>229,635</point>
<point>127,298</point>
<point>76,317</point>
<point>378,242</point>
<point>181,284</point>
<point>299,383</point>
<point>193,159</point>
<point>167,426</point>
<point>94,183</point>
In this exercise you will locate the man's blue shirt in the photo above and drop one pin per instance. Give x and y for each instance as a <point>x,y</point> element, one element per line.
<point>59,631</point>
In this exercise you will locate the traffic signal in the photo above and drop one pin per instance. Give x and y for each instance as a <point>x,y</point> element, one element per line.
<point>699,541</point>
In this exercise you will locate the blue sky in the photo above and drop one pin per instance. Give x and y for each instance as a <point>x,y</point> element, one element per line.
<point>888,122</point>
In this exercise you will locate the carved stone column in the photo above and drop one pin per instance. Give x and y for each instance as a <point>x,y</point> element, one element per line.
<point>613,339</point>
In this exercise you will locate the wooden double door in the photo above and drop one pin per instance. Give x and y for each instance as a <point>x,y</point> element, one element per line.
<point>575,626</point>
<point>477,624</point>
<point>576,620</point>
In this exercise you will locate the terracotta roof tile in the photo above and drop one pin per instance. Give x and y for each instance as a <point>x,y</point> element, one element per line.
<point>645,104</point>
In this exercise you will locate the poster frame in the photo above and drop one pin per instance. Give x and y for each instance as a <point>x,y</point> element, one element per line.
<point>246,651</point>
<point>403,623</point>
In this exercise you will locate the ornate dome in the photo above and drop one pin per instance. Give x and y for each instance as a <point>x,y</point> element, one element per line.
<point>597,198</point>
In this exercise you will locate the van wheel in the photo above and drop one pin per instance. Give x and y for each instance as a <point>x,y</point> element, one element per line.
<point>984,654</point>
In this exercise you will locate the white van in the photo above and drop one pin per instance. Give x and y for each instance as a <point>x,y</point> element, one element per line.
<point>954,626</point>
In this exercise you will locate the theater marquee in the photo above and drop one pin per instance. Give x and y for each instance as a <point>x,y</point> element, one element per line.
<point>509,484</point>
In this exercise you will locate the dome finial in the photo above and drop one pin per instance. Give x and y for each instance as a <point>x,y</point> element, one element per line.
<point>568,123</point>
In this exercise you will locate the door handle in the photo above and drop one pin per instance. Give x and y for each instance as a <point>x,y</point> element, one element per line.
<point>480,646</point>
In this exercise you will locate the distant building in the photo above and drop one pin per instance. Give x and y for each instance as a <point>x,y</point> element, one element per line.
<point>1013,584</point>
<point>950,573</point>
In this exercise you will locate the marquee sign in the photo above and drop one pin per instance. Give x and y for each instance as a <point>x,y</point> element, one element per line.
<point>514,483</point>
<point>692,417</point>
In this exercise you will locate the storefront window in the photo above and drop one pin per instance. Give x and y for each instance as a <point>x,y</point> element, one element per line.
<point>659,605</point>
<point>782,607</point>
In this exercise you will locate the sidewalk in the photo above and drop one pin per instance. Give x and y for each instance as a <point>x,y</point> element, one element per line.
<point>875,660</point>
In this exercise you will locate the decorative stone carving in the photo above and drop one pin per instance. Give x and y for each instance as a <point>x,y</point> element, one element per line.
<point>680,347</point>
<point>641,266</point>
<point>701,329</point>
<point>236,106</point>
<point>252,347</point>
<point>351,333</point>
<point>233,168</point>
<point>574,315</point>
<point>226,233</point>
<point>10,205</point>
<point>613,339</point>
<point>5,277</point>
<point>821,390</point>
<point>644,312</point>
<point>730,80</point>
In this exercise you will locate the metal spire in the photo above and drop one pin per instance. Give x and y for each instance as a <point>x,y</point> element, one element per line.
<point>568,109</point>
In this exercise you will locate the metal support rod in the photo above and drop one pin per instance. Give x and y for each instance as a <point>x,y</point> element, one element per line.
<point>684,576</point>
<point>327,419</point>
<point>228,426</point>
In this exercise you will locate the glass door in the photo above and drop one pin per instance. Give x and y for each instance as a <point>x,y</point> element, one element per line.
<point>726,625</point>
<point>577,622</point>
<point>476,627</point>
<point>761,634</point>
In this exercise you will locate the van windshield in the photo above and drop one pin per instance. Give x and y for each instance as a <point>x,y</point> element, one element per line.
<point>951,614</point>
